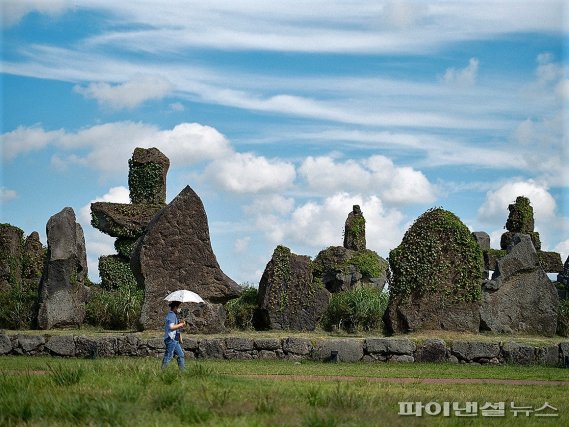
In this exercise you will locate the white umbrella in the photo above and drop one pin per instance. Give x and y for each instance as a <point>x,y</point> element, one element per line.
<point>184,296</point>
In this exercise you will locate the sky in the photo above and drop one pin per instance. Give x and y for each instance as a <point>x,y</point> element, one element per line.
<point>283,115</point>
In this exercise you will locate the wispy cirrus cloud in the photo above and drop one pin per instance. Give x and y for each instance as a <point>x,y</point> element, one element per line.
<point>129,94</point>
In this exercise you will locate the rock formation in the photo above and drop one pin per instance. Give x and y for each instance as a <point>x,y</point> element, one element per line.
<point>10,256</point>
<point>62,291</point>
<point>344,268</point>
<point>126,221</point>
<point>519,297</point>
<point>437,275</point>
<point>355,230</point>
<point>521,220</point>
<point>175,252</point>
<point>288,297</point>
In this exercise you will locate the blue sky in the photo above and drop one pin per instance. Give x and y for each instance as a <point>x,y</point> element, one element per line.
<point>282,116</point>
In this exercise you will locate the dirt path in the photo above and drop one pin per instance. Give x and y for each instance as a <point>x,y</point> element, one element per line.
<point>405,380</point>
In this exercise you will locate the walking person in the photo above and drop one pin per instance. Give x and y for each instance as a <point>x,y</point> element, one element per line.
<point>172,337</point>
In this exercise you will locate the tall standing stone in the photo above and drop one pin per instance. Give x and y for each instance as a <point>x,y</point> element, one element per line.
<point>32,262</point>
<point>175,253</point>
<point>62,290</point>
<point>355,230</point>
<point>520,220</point>
<point>288,298</point>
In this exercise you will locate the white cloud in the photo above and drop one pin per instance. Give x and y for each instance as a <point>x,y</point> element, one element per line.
<point>248,173</point>
<point>376,175</point>
<point>241,245</point>
<point>524,133</point>
<point>563,249</point>
<point>14,10</point>
<point>495,207</point>
<point>109,146</point>
<point>6,194</point>
<point>129,94</point>
<point>319,225</point>
<point>464,76</point>
<point>25,139</point>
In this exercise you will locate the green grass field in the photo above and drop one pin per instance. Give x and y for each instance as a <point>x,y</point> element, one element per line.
<point>128,391</point>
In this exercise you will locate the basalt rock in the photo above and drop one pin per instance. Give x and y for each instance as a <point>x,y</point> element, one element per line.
<point>437,274</point>
<point>355,231</point>
<point>341,269</point>
<point>63,292</point>
<point>174,253</point>
<point>147,176</point>
<point>519,297</point>
<point>10,256</point>
<point>33,262</point>
<point>288,298</point>
<point>122,220</point>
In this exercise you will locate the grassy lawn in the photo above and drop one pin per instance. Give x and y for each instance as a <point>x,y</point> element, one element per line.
<point>129,391</point>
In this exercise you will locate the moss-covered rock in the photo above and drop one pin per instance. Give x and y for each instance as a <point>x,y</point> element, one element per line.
<point>147,176</point>
<point>436,276</point>
<point>115,273</point>
<point>340,269</point>
<point>125,246</point>
<point>355,230</point>
<point>11,251</point>
<point>520,219</point>
<point>288,296</point>
<point>121,219</point>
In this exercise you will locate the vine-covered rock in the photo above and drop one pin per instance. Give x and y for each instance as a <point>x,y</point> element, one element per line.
<point>147,176</point>
<point>355,230</point>
<point>125,246</point>
<point>520,297</point>
<point>63,292</point>
<point>121,219</point>
<point>288,298</point>
<point>436,276</point>
<point>11,241</point>
<point>520,220</point>
<point>175,253</point>
<point>341,269</point>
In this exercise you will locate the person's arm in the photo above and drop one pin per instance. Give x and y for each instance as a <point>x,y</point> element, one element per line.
<point>176,326</point>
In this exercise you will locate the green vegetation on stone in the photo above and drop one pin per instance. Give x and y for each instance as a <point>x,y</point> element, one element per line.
<point>438,248</point>
<point>125,246</point>
<point>145,182</point>
<point>115,273</point>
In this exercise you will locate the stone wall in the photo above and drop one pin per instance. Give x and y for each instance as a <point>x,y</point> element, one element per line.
<point>291,348</point>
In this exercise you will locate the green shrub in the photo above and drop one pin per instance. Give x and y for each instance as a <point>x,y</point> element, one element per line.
<point>115,273</point>
<point>18,307</point>
<point>359,309</point>
<point>240,310</point>
<point>115,309</point>
<point>563,318</point>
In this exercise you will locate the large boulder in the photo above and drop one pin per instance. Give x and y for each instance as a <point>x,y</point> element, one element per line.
<point>341,269</point>
<point>32,262</point>
<point>10,256</point>
<point>563,276</point>
<point>174,253</point>
<point>288,298</point>
<point>519,297</point>
<point>62,290</point>
<point>437,275</point>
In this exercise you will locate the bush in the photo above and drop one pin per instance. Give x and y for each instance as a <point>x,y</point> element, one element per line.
<point>240,310</point>
<point>359,309</point>
<point>563,318</point>
<point>115,309</point>
<point>18,307</point>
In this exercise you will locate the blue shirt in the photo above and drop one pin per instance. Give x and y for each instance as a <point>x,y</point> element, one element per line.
<point>170,319</point>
